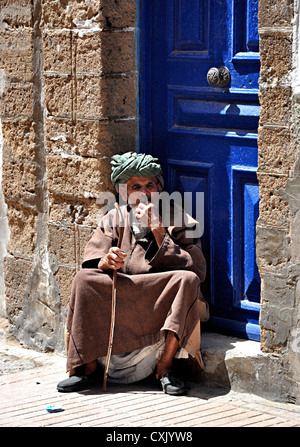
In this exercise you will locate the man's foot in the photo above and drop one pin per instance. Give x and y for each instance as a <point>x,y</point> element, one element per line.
<point>172,385</point>
<point>80,381</point>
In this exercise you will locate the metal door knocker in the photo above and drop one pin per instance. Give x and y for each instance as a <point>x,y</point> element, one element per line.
<point>218,76</point>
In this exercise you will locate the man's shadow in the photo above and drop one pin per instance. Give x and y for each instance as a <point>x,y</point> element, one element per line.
<point>187,370</point>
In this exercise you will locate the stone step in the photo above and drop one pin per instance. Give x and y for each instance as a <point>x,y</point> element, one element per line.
<point>241,366</point>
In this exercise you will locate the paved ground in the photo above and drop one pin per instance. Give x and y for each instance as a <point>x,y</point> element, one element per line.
<point>28,384</point>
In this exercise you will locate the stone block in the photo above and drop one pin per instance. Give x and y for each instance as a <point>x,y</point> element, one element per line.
<point>277,314</point>
<point>273,207</point>
<point>16,54</point>
<point>16,273</point>
<point>56,14</point>
<point>82,235</point>
<point>237,364</point>
<point>22,225</point>
<point>275,13</point>
<point>275,154</point>
<point>76,176</point>
<point>67,243</point>
<point>71,210</point>
<point>90,138</point>
<point>88,52</point>
<point>15,14</point>
<point>291,192</point>
<point>276,58</point>
<point>86,17</point>
<point>64,277</point>
<point>275,324</point>
<point>18,182</point>
<point>89,98</point>
<point>253,371</point>
<point>59,96</point>
<point>242,366</point>
<point>275,104</point>
<point>18,140</point>
<point>62,244</point>
<point>118,52</point>
<point>105,52</point>
<point>17,101</point>
<point>40,325</point>
<point>295,240</point>
<point>118,96</point>
<point>61,136</point>
<point>271,247</point>
<point>85,235</point>
<point>279,291</point>
<point>72,14</point>
<point>57,51</point>
<point>118,14</point>
<point>17,4</point>
<point>109,97</point>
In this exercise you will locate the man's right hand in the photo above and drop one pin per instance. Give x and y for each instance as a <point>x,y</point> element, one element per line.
<point>114,259</point>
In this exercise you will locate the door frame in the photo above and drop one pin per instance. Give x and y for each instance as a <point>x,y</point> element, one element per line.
<point>144,113</point>
<point>143,78</point>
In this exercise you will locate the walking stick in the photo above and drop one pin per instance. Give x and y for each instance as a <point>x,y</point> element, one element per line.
<point>113,302</point>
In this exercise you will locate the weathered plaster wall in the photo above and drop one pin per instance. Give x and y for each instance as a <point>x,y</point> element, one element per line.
<point>278,173</point>
<point>4,228</point>
<point>69,103</point>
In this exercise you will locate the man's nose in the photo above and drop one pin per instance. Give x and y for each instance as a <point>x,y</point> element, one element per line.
<point>143,196</point>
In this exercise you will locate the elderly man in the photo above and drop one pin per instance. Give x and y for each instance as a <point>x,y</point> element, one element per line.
<point>159,301</point>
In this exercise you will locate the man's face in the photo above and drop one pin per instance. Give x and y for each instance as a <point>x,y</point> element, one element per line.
<point>139,188</point>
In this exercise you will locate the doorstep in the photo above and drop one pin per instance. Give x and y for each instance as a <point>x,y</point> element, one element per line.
<point>241,366</point>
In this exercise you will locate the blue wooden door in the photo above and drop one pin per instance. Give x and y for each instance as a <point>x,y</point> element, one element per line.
<point>206,136</point>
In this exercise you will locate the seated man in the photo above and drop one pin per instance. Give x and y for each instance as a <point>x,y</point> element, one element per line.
<point>159,303</point>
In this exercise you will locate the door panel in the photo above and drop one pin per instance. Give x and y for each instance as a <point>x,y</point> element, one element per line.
<point>189,29</point>
<point>206,137</point>
<point>228,115</point>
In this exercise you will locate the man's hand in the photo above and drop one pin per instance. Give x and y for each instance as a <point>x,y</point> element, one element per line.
<point>145,213</point>
<point>113,260</point>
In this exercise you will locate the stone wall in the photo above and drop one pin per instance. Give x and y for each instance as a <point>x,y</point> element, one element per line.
<point>68,76</point>
<point>68,86</point>
<point>278,229</point>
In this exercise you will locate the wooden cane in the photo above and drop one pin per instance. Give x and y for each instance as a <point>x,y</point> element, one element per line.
<point>113,302</point>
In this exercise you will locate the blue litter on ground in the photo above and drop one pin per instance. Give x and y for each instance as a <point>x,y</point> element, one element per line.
<point>53,409</point>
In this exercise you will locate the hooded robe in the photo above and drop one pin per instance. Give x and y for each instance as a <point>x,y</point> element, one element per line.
<point>158,289</point>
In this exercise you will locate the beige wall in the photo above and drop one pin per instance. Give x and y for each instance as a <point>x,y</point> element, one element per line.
<point>68,104</point>
<point>68,87</point>
<point>278,229</point>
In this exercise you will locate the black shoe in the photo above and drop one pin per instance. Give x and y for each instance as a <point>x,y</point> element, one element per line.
<point>172,385</point>
<point>79,381</point>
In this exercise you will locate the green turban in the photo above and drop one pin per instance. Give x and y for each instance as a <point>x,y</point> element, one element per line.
<point>132,164</point>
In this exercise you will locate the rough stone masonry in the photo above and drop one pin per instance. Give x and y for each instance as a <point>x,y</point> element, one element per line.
<point>278,230</point>
<point>68,86</point>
